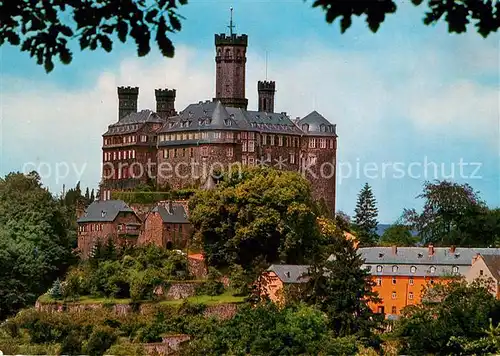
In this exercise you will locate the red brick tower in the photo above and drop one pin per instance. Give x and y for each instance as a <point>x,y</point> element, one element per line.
<point>230,70</point>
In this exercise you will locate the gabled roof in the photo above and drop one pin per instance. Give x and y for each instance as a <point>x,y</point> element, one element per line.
<point>172,213</point>
<point>104,211</point>
<point>290,273</point>
<point>317,125</point>
<point>133,121</point>
<point>493,264</point>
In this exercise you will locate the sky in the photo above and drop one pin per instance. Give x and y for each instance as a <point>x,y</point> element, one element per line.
<point>412,103</point>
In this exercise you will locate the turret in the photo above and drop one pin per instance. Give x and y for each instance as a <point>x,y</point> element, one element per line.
<point>127,101</point>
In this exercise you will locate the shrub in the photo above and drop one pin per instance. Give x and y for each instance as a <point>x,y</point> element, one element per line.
<point>56,290</point>
<point>238,281</point>
<point>100,340</point>
<point>213,285</point>
<point>126,349</point>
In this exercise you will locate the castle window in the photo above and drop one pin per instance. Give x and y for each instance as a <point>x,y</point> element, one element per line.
<point>119,155</point>
<point>191,136</point>
<point>331,143</point>
<point>312,143</point>
<point>264,139</point>
<point>379,268</point>
<point>165,154</point>
<point>394,280</point>
<point>204,151</point>
<point>229,135</point>
<point>251,161</point>
<point>394,310</point>
<point>144,138</point>
<point>204,135</point>
<point>244,135</point>
<point>244,159</point>
<point>394,268</point>
<point>292,158</point>
<point>411,281</point>
<point>322,128</point>
<point>251,135</point>
<point>311,159</point>
<point>272,140</point>
<point>251,146</point>
<point>133,153</point>
<point>230,152</point>
<point>280,140</point>
<point>455,269</point>
<point>217,135</point>
<point>185,136</point>
<point>191,152</point>
<point>393,295</point>
<point>175,152</point>
<point>413,269</point>
<point>114,156</point>
<point>227,122</point>
<point>197,136</point>
<point>305,127</point>
<point>433,269</point>
<point>244,146</point>
<point>322,143</point>
<point>410,295</point>
<point>183,152</point>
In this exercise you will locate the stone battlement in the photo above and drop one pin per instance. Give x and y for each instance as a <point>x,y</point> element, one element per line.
<point>232,40</point>
<point>128,90</point>
<point>266,85</point>
<point>165,93</point>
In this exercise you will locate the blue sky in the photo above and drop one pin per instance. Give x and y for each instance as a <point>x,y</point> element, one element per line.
<point>410,102</point>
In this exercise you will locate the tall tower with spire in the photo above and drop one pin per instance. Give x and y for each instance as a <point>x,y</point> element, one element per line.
<point>230,62</point>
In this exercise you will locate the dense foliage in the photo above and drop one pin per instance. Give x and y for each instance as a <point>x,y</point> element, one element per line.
<point>340,288</point>
<point>365,218</point>
<point>36,241</point>
<point>398,235</point>
<point>454,214</point>
<point>125,273</point>
<point>453,319</point>
<point>254,215</point>
<point>48,29</point>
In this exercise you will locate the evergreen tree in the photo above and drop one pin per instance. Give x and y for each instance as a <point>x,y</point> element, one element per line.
<point>365,218</point>
<point>342,289</point>
<point>56,290</point>
<point>87,195</point>
<point>92,196</point>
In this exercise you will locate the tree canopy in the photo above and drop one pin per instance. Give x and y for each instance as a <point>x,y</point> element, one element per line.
<point>454,214</point>
<point>36,240</point>
<point>398,235</point>
<point>52,28</point>
<point>260,214</point>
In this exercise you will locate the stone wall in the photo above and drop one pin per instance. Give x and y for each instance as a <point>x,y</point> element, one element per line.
<point>221,311</point>
<point>181,291</point>
<point>197,267</point>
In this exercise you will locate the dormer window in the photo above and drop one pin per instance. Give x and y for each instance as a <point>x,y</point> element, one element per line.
<point>413,269</point>
<point>379,268</point>
<point>394,268</point>
<point>322,128</point>
<point>433,269</point>
<point>227,122</point>
<point>103,213</point>
<point>420,255</point>
<point>380,255</point>
<point>305,127</point>
<point>171,124</point>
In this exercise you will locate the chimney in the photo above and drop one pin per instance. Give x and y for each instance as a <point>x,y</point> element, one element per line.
<point>127,101</point>
<point>452,249</point>
<point>169,207</point>
<point>394,250</point>
<point>431,249</point>
<point>475,258</point>
<point>165,102</point>
<point>266,92</point>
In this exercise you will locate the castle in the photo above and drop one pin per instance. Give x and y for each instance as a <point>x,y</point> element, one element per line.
<point>184,149</point>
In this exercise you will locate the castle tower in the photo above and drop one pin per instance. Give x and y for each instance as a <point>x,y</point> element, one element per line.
<point>266,95</point>
<point>165,102</point>
<point>127,101</point>
<point>230,62</point>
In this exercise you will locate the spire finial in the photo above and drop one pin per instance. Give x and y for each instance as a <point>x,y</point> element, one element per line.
<point>231,26</point>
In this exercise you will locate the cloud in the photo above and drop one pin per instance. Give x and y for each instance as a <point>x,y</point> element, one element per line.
<point>380,102</point>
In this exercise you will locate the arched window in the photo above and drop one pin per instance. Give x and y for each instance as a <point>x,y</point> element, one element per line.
<point>394,268</point>
<point>305,127</point>
<point>413,269</point>
<point>379,268</point>
<point>433,269</point>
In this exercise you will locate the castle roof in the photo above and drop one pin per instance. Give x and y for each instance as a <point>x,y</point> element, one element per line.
<point>210,115</point>
<point>315,124</point>
<point>172,213</point>
<point>104,211</point>
<point>290,273</point>
<point>417,261</point>
<point>133,121</point>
